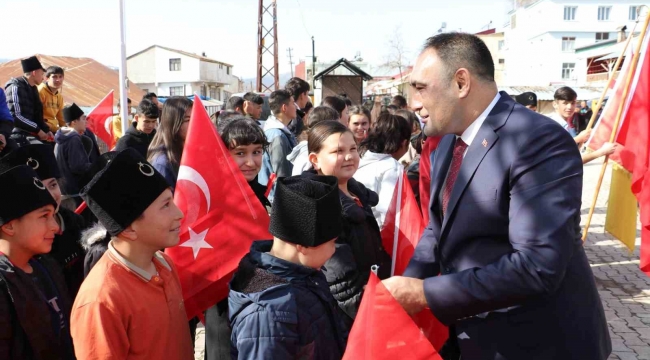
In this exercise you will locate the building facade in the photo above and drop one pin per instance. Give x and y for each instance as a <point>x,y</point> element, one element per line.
<point>170,72</point>
<point>495,41</point>
<point>541,37</point>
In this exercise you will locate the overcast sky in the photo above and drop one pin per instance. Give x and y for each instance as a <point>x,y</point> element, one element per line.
<point>227,29</point>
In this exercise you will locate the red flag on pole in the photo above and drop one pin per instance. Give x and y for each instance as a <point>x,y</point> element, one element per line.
<point>100,120</point>
<point>383,330</point>
<point>222,215</point>
<point>403,226</point>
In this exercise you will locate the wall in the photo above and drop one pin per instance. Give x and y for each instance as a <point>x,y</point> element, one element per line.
<point>141,69</point>
<point>492,42</point>
<point>213,72</point>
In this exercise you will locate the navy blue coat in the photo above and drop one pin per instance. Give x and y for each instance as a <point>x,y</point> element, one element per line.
<point>282,310</point>
<point>510,244</point>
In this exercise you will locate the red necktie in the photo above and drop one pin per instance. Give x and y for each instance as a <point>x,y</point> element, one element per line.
<point>454,168</point>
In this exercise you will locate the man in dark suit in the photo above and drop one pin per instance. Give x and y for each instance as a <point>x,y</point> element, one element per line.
<point>501,260</point>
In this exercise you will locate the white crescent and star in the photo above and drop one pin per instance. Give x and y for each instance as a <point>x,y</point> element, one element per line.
<point>197,241</point>
<point>187,173</point>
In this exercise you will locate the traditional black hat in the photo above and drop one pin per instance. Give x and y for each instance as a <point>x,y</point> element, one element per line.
<point>123,190</point>
<point>39,157</point>
<point>21,192</point>
<point>30,64</point>
<point>527,99</point>
<point>306,211</point>
<point>72,113</point>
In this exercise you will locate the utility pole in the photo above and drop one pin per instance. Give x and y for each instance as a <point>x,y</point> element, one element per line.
<point>290,61</point>
<point>267,55</point>
<point>313,64</point>
<point>124,85</point>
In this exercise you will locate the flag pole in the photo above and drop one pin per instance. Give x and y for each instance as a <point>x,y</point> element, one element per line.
<point>619,114</point>
<point>611,78</point>
<point>124,108</point>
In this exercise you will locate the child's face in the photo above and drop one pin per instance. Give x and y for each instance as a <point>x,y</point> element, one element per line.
<point>338,157</point>
<point>359,125</point>
<point>316,257</point>
<point>34,232</point>
<point>248,159</point>
<point>53,187</point>
<point>160,224</point>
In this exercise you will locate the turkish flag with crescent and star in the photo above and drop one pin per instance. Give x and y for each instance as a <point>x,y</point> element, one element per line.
<point>100,120</point>
<point>222,216</point>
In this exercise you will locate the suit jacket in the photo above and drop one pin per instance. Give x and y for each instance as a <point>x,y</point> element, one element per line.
<point>510,244</point>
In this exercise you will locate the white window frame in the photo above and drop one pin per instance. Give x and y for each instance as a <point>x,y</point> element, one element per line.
<point>570,13</point>
<point>604,36</point>
<point>566,40</point>
<point>177,90</point>
<point>604,13</point>
<point>567,70</point>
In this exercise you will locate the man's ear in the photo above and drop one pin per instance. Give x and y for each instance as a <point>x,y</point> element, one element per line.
<point>128,234</point>
<point>463,81</point>
<point>302,249</point>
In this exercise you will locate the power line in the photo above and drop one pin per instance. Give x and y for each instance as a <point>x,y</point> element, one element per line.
<point>302,18</point>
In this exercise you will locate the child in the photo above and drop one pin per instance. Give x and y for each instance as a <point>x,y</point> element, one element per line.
<point>34,300</point>
<point>131,305</point>
<point>299,156</point>
<point>280,305</point>
<point>66,249</point>
<point>379,169</point>
<point>246,142</point>
<point>333,152</point>
<point>142,131</point>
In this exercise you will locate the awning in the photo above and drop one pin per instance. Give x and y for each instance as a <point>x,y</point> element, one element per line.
<point>610,56</point>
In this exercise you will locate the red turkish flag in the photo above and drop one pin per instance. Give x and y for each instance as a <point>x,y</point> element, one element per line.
<point>428,148</point>
<point>403,226</point>
<point>382,329</point>
<point>222,216</point>
<point>100,120</point>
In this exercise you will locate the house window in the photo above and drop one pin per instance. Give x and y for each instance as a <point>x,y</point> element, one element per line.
<point>603,13</point>
<point>502,61</point>
<point>220,66</point>
<point>213,93</point>
<point>502,44</point>
<point>570,13</point>
<point>228,70</point>
<point>177,91</point>
<point>632,13</point>
<point>568,43</point>
<point>567,70</point>
<point>174,64</point>
<point>602,36</point>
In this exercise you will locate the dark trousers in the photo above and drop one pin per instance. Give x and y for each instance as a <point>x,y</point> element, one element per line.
<point>217,332</point>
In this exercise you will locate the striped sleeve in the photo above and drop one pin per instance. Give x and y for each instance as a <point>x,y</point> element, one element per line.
<point>21,121</point>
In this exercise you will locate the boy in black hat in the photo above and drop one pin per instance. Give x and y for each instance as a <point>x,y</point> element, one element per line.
<point>527,99</point>
<point>66,249</point>
<point>71,154</point>
<point>34,300</point>
<point>131,303</point>
<point>280,304</point>
<point>25,103</point>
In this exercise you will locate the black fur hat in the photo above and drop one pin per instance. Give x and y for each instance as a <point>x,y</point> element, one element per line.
<point>72,113</point>
<point>306,211</point>
<point>39,157</point>
<point>527,99</point>
<point>21,192</point>
<point>30,64</point>
<point>123,190</point>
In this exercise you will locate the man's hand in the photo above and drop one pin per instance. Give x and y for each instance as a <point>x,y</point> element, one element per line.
<point>582,137</point>
<point>408,292</point>
<point>42,135</point>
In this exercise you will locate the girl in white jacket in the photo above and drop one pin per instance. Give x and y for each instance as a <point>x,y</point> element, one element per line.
<point>379,169</point>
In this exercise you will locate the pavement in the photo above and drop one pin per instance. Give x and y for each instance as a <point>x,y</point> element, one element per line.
<point>624,289</point>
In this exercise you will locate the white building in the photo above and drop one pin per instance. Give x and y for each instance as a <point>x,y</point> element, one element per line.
<point>170,72</point>
<point>542,35</point>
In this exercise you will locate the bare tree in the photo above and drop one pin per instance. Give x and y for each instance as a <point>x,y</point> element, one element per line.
<point>397,53</point>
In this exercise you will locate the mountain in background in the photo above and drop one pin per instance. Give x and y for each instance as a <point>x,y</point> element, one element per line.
<point>253,80</point>
<point>4,60</point>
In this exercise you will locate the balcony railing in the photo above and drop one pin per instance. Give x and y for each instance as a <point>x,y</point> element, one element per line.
<point>601,77</point>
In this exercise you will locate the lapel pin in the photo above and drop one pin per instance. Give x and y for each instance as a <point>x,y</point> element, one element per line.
<point>484,143</point>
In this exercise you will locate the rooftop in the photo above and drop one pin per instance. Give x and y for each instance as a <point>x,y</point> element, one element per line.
<point>192,55</point>
<point>86,81</point>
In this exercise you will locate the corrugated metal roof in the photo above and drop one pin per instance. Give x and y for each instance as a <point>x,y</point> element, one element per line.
<point>545,93</point>
<point>86,80</point>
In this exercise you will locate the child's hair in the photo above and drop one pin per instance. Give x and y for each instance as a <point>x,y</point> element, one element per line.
<point>321,131</point>
<point>167,140</point>
<point>226,117</point>
<point>242,132</point>
<point>387,136</point>
<point>410,117</point>
<point>322,113</point>
<point>335,102</point>
<point>565,93</point>
<point>358,110</point>
<point>148,109</point>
